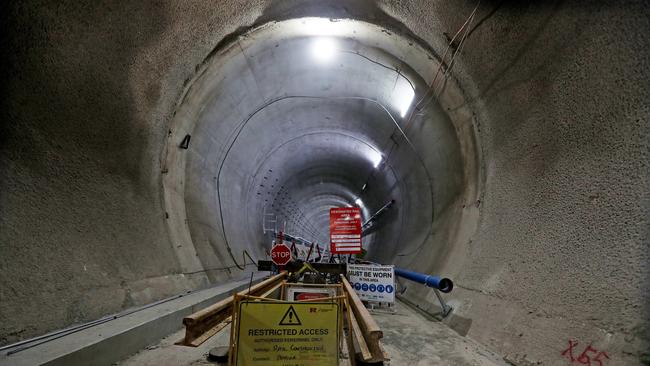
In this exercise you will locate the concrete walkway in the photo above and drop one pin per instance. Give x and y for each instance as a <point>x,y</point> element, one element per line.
<point>409,338</point>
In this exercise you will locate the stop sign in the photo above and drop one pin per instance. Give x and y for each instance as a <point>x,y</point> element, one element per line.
<point>280,254</point>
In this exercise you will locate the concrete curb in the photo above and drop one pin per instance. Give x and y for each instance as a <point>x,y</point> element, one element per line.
<point>110,342</point>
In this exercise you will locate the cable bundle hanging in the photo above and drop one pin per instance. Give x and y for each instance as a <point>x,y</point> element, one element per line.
<point>465,29</point>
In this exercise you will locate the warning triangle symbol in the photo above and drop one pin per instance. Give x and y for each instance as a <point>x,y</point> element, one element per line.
<point>290,318</point>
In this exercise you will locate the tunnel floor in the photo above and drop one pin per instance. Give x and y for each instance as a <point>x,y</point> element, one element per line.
<point>409,338</point>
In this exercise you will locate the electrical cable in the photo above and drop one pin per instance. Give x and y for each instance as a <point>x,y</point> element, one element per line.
<point>442,60</point>
<point>458,50</point>
<point>467,27</point>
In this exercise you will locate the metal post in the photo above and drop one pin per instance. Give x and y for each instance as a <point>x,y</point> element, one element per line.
<point>446,309</point>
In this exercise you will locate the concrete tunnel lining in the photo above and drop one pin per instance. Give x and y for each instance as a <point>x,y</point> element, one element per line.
<point>553,99</point>
<point>292,114</point>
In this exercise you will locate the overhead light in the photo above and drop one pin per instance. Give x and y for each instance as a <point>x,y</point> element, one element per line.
<point>323,49</point>
<point>403,96</point>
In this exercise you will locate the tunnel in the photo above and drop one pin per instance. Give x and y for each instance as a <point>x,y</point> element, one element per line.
<point>150,149</point>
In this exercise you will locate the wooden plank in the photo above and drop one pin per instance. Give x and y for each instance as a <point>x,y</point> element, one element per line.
<point>271,290</point>
<point>211,310</point>
<point>214,330</point>
<point>368,326</point>
<point>359,342</point>
<point>350,341</point>
<point>312,284</point>
<point>205,323</point>
<point>217,328</point>
<point>383,351</point>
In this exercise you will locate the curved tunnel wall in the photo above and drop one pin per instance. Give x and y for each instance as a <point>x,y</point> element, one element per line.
<point>265,113</point>
<point>556,92</point>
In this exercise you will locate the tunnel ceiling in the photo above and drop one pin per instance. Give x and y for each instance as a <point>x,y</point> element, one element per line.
<point>296,117</point>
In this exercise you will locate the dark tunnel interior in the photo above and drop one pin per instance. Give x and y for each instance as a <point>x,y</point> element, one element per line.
<point>149,149</point>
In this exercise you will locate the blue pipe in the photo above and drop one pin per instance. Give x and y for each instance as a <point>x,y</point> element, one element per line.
<point>443,284</point>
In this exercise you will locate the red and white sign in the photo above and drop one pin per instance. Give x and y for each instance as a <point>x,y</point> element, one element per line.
<point>280,254</point>
<point>345,230</point>
<point>296,293</point>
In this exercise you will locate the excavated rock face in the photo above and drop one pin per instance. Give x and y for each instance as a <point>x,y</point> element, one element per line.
<point>524,178</point>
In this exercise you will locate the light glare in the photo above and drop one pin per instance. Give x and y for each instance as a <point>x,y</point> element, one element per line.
<point>403,96</point>
<point>375,158</point>
<point>323,49</point>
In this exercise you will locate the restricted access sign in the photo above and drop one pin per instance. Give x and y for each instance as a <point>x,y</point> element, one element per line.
<point>280,254</point>
<point>345,230</point>
<point>373,282</point>
<point>296,334</point>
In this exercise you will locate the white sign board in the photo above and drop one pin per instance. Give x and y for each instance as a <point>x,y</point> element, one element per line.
<point>373,282</point>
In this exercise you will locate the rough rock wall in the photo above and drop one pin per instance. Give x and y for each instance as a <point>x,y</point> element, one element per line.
<point>561,97</point>
<point>88,91</point>
<point>561,253</point>
<point>84,108</point>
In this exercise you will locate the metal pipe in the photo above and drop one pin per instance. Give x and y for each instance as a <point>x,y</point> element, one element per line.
<point>370,222</point>
<point>443,284</point>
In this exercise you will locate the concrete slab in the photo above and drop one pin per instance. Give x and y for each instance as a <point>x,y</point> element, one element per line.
<point>109,342</point>
<point>167,353</point>
<point>412,339</point>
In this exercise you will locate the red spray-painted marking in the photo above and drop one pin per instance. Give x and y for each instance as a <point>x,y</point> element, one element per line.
<point>569,351</point>
<point>584,358</point>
